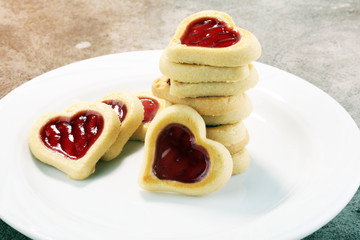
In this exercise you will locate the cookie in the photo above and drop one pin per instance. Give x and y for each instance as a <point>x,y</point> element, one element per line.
<point>211,38</point>
<point>179,158</point>
<point>204,105</point>
<point>151,105</point>
<point>229,118</point>
<point>180,89</point>
<point>194,73</point>
<point>131,114</point>
<point>233,136</point>
<point>74,140</point>
<point>241,161</point>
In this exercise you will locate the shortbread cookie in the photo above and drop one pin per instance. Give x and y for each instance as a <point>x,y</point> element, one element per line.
<point>204,105</point>
<point>214,89</point>
<point>241,161</point>
<point>211,38</point>
<point>233,136</point>
<point>131,113</point>
<point>178,156</point>
<point>74,140</point>
<point>151,105</point>
<point>231,117</point>
<point>193,73</point>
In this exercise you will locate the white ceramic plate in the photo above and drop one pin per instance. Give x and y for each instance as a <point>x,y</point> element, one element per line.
<point>304,170</point>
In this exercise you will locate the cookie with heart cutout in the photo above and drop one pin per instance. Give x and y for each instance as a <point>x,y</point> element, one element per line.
<point>233,136</point>
<point>74,140</point>
<point>194,73</point>
<point>214,89</point>
<point>179,158</point>
<point>151,105</point>
<point>204,105</point>
<point>211,38</point>
<point>131,114</point>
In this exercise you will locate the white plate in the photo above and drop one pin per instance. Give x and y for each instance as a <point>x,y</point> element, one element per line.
<point>305,164</point>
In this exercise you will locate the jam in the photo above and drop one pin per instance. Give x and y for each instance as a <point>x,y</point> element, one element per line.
<point>151,106</point>
<point>209,32</point>
<point>178,157</point>
<point>119,107</point>
<point>72,137</point>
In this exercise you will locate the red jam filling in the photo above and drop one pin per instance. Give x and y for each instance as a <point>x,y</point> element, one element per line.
<point>209,32</point>
<point>72,137</point>
<point>178,157</point>
<point>151,106</point>
<point>119,107</point>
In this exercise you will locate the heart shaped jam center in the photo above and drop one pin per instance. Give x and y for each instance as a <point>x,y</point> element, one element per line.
<point>209,32</point>
<point>119,107</point>
<point>151,106</point>
<point>72,137</point>
<point>178,157</point>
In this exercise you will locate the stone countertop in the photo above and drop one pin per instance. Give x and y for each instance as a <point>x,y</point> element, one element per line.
<point>315,40</point>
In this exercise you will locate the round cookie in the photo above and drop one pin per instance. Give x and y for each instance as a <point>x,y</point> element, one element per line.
<point>151,105</point>
<point>204,105</point>
<point>233,136</point>
<point>194,73</point>
<point>246,47</point>
<point>130,112</point>
<point>241,161</point>
<point>178,156</point>
<point>214,89</point>
<point>74,140</point>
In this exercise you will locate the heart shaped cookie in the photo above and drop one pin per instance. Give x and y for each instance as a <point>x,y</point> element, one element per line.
<point>151,105</point>
<point>211,38</point>
<point>74,140</point>
<point>178,156</point>
<point>195,73</point>
<point>214,89</point>
<point>233,136</point>
<point>131,114</point>
<point>204,105</point>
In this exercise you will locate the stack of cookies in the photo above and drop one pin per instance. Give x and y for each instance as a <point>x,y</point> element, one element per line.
<point>207,66</point>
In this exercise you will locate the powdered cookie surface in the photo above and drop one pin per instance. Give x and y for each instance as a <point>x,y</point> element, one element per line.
<point>204,105</point>
<point>178,156</point>
<point>181,89</point>
<point>211,38</point>
<point>131,113</point>
<point>233,136</point>
<point>151,105</point>
<point>74,140</point>
<point>194,73</point>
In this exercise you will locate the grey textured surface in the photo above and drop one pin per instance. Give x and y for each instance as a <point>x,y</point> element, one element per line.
<point>315,40</point>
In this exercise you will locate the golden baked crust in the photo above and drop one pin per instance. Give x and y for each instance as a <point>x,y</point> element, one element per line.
<point>194,73</point>
<point>81,168</point>
<point>131,122</point>
<point>241,161</point>
<point>139,134</point>
<point>214,89</point>
<point>220,168</point>
<point>229,118</point>
<point>243,52</point>
<point>233,136</point>
<point>204,105</point>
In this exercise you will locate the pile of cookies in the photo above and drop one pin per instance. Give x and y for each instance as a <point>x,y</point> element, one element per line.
<point>191,149</point>
<point>207,66</point>
<point>75,139</point>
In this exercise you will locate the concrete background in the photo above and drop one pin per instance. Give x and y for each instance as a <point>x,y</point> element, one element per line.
<point>315,40</point>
